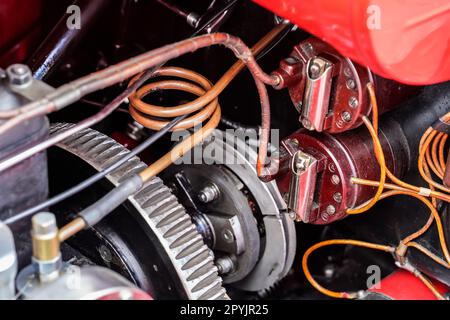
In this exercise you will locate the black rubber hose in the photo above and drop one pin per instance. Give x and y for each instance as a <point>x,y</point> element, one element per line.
<point>108,203</point>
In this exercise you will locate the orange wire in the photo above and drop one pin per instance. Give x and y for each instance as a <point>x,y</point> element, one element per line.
<point>435,154</point>
<point>399,188</point>
<point>315,284</point>
<point>421,163</point>
<point>431,157</point>
<point>429,285</point>
<point>429,254</point>
<point>442,161</point>
<point>380,156</point>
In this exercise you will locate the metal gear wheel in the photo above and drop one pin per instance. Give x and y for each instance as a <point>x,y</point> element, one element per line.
<point>160,214</point>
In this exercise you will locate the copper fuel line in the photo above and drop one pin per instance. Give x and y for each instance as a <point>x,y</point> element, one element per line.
<point>73,91</point>
<point>133,86</point>
<point>207,108</point>
<point>399,188</point>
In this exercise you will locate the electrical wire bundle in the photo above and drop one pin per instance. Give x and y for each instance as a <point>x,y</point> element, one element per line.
<point>433,159</point>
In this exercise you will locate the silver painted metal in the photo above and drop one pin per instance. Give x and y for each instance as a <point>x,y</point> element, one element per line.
<point>317,93</point>
<point>302,185</point>
<point>78,283</point>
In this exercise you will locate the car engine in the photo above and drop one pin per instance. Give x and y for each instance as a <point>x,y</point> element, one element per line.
<point>224,150</point>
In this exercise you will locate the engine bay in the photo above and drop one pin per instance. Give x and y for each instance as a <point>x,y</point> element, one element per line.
<point>214,150</point>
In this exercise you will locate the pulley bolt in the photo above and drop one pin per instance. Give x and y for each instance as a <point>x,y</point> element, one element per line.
<point>346,116</point>
<point>224,265</point>
<point>331,210</point>
<point>209,193</point>
<point>353,102</point>
<point>19,74</point>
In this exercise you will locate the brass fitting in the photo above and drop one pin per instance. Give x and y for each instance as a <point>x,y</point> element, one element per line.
<point>46,246</point>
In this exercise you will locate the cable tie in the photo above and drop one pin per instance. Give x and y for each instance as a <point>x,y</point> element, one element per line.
<point>426,192</point>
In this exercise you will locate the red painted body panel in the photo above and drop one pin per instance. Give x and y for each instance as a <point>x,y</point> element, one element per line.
<point>404,40</point>
<point>18,20</point>
<point>402,285</point>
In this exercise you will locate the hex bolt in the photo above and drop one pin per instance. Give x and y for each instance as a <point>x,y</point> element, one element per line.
<point>353,102</point>
<point>346,116</point>
<point>331,210</point>
<point>19,74</point>
<point>337,197</point>
<point>225,265</point>
<point>209,193</point>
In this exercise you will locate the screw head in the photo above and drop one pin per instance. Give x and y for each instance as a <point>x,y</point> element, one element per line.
<point>314,70</point>
<point>351,84</point>
<point>335,179</point>
<point>19,74</point>
<point>353,102</point>
<point>331,210</point>
<point>307,124</point>
<point>228,236</point>
<point>337,197</point>
<point>346,116</point>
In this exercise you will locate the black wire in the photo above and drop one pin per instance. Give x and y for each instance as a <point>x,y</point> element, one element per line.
<point>97,177</point>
